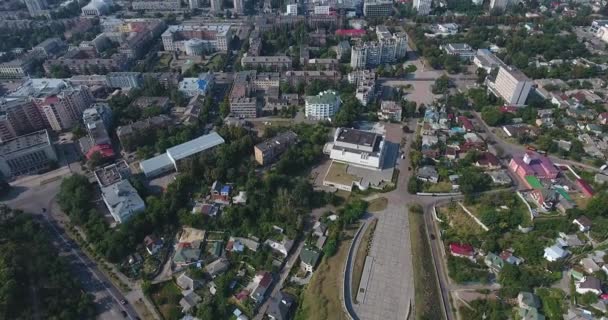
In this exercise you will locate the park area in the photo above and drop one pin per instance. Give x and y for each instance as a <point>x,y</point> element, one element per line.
<point>166,296</point>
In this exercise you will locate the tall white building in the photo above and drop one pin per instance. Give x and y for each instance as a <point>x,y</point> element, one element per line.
<point>216,6</point>
<point>423,7</point>
<point>512,85</point>
<point>498,4</point>
<point>388,49</point>
<point>193,4</point>
<point>239,6</point>
<point>36,7</point>
<point>322,106</point>
<point>292,10</point>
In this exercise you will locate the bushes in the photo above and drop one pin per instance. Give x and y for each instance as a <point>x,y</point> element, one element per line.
<point>463,270</point>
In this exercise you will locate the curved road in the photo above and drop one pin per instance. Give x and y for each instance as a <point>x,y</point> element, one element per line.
<point>348,272</point>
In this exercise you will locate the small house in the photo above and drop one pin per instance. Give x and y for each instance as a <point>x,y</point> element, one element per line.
<point>583,223</point>
<point>309,259</point>
<point>462,250</point>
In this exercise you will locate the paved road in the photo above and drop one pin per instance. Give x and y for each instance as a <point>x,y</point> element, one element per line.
<point>29,196</point>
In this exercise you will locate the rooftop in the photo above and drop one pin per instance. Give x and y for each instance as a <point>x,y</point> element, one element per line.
<point>325,97</point>
<point>284,138</point>
<point>113,173</point>
<point>197,145</point>
<point>357,137</point>
<point>38,138</point>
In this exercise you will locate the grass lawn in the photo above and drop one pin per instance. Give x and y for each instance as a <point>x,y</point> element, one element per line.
<point>163,63</point>
<point>166,297</point>
<point>425,283</point>
<point>377,204</point>
<point>362,251</point>
<point>440,187</point>
<point>337,174</point>
<point>321,299</point>
<point>460,220</point>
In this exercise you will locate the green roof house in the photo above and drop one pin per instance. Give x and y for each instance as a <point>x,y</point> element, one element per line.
<point>309,258</point>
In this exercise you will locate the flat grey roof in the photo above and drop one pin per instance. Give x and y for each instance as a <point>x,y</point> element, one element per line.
<point>358,137</point>
<point>154,164</point>
<point>197,145</point>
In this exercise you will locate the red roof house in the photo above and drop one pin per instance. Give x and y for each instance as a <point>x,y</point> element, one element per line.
<point>462,250</point>
<point>509,109</point>
<point>488,160</point>
<point>466,123</point>
<point>105,150</point>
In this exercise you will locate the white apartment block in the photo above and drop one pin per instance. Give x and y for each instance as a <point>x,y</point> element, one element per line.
<point>511,85</point>
<point>207,38</point>
<point>322,106</point>
<point>499,4</point>
<point>292,10</point>
<point>239,6</point>
<point>423,7</point>
<point>387,49</point>
<point>30,153</point>
<point>323,10</point>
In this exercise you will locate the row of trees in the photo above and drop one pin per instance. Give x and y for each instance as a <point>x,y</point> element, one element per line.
<point>34,279</point>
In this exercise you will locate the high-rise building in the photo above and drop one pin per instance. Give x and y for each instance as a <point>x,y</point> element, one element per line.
<point>377,8</point>
<point>160,5</point>
<point>216,5</point>
<point>19,116</point>
<point>36,7</point>
<point>498,4</point>
<point>292,10</point>
<point>193,4</point>
<point>387,49</point>
<point>423,7</point>
<point>512,85</point>
<point>239,7</point>
<point>64,110</point>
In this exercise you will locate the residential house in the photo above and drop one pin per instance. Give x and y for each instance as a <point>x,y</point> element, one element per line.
<point>189,301</point>
<point>462,250</point>
<point>309,259</point>
<point>428,174</point>
<point>554,253</point>
<point>217,267</point>
<point>528,305</point>
<point>238,244</point>
<point>569,240</point>
<point>220,192</point>
<point>280,306</point>
<point>319,229</point>
<point>589,266</point>
<point>583,223</point>
<point>500,177</point>
<point>533,164</point>
<point>546,198</point>
<point>282,247</point>
<point>494,262</point>
<point>152,244</point>
<point>600,178</point>
<point>589,284</point>
<point>508,257</point>
<point>186,282</point>
<point>187,253</point>
<point>487,160</point>
<point>467,125</point>
<point>261,282</point>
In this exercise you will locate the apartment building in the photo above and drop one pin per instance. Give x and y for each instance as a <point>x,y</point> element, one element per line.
<point>197,39</point>
<point>512,85</point>
<point>239,6</point>
<point>296,77</point>
<point>30,153</point>
<point>269,150</point>
<point>124,80</point>
<point>62,111</point>
<point>160,5</point>
<point>216,6</point>
<point>377,8</point>
<point>49,48</point>
<point>84,61</point>
<point>322,106</point>
<point>19,116</point>
<point>423,7</point>
<point>17,68</point>
<point>275,63</point>
<point>37,7</point>
<point>498,4</point>
<point>387,49</point>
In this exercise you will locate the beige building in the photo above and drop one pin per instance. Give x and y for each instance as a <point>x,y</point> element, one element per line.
<point>268,151</point>
<point>30,153</point>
